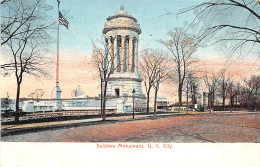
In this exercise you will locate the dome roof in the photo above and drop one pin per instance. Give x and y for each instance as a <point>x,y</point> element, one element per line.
<point>121,20</point>
<point>121,13</point>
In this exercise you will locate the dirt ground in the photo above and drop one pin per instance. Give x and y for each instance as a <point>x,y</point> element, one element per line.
<point>192,128</point>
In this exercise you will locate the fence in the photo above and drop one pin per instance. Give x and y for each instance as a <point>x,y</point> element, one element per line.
<point>6,118</point>
<point>32,109</point>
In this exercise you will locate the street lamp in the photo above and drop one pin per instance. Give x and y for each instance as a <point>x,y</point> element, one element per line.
<point>133,103</point>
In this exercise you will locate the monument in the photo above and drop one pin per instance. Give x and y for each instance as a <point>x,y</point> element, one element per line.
<point>121,35</point>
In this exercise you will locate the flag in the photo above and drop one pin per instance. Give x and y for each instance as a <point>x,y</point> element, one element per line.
<point>63,21</point>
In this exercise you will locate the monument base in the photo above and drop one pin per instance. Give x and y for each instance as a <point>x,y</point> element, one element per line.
<point>56,94</point>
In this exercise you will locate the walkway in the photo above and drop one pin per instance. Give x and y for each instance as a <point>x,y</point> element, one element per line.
<point>169,127</point>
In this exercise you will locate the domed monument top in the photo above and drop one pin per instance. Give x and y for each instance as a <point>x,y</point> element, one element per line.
<point>121,20</point>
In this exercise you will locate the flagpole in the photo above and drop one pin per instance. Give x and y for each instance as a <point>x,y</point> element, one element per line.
<point>57,70</point>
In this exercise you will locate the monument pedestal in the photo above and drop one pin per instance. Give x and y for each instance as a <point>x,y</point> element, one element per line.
<point>56,94</point>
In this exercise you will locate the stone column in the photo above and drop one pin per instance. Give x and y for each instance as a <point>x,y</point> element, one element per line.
<point>122,53</point>
<point>115,50</point>
<point>130,54</point>
<point>110,52</point>
<point>136,56</point>
<point>127,54</point>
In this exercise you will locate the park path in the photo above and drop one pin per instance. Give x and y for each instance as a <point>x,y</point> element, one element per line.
<point>191,128</point>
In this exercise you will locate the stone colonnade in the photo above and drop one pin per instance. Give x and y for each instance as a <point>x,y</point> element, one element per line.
<point>123,53</point>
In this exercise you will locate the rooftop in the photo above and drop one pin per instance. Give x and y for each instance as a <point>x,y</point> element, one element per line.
<point>121,13</point>
<point>121,20</point>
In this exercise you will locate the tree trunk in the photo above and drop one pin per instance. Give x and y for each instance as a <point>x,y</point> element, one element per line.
<point>193,100</point>
<point>210,100</point>
<point>230,103</point>
<point>223,94</point>
<point>147,100</point>
<point>104,101</point>
<point>224,100</point>
<point>240,102</point>
<point>155,99</point>
<point>213,99</point>
<point>180,95</point>
<point>101,97</point>
<point>17,102</point>
<point>187,98</point>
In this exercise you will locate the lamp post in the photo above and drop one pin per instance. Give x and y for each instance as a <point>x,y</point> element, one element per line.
<point>133,103</point>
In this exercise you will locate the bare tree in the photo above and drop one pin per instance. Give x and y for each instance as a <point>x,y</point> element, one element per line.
<point>234,22</point>
<point>181,47</point>
<point>243,96</point>
<point>193,83</point>
<point>16,14</point>
<point>252,87</point>
<point>211,83</point>
<point>162,69</point>
<point>103,60</point>
<point>148,72</point>
<point>4,1</point>
<point>231,92</point>
<point>223,83</point>
<point>237,93</point>
<point>24,38</point>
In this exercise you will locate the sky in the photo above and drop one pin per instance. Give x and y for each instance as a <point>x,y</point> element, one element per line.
<point>87,19</point>
<point>86,22</point>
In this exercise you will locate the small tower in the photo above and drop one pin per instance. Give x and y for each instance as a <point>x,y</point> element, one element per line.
<point>122,34</point>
